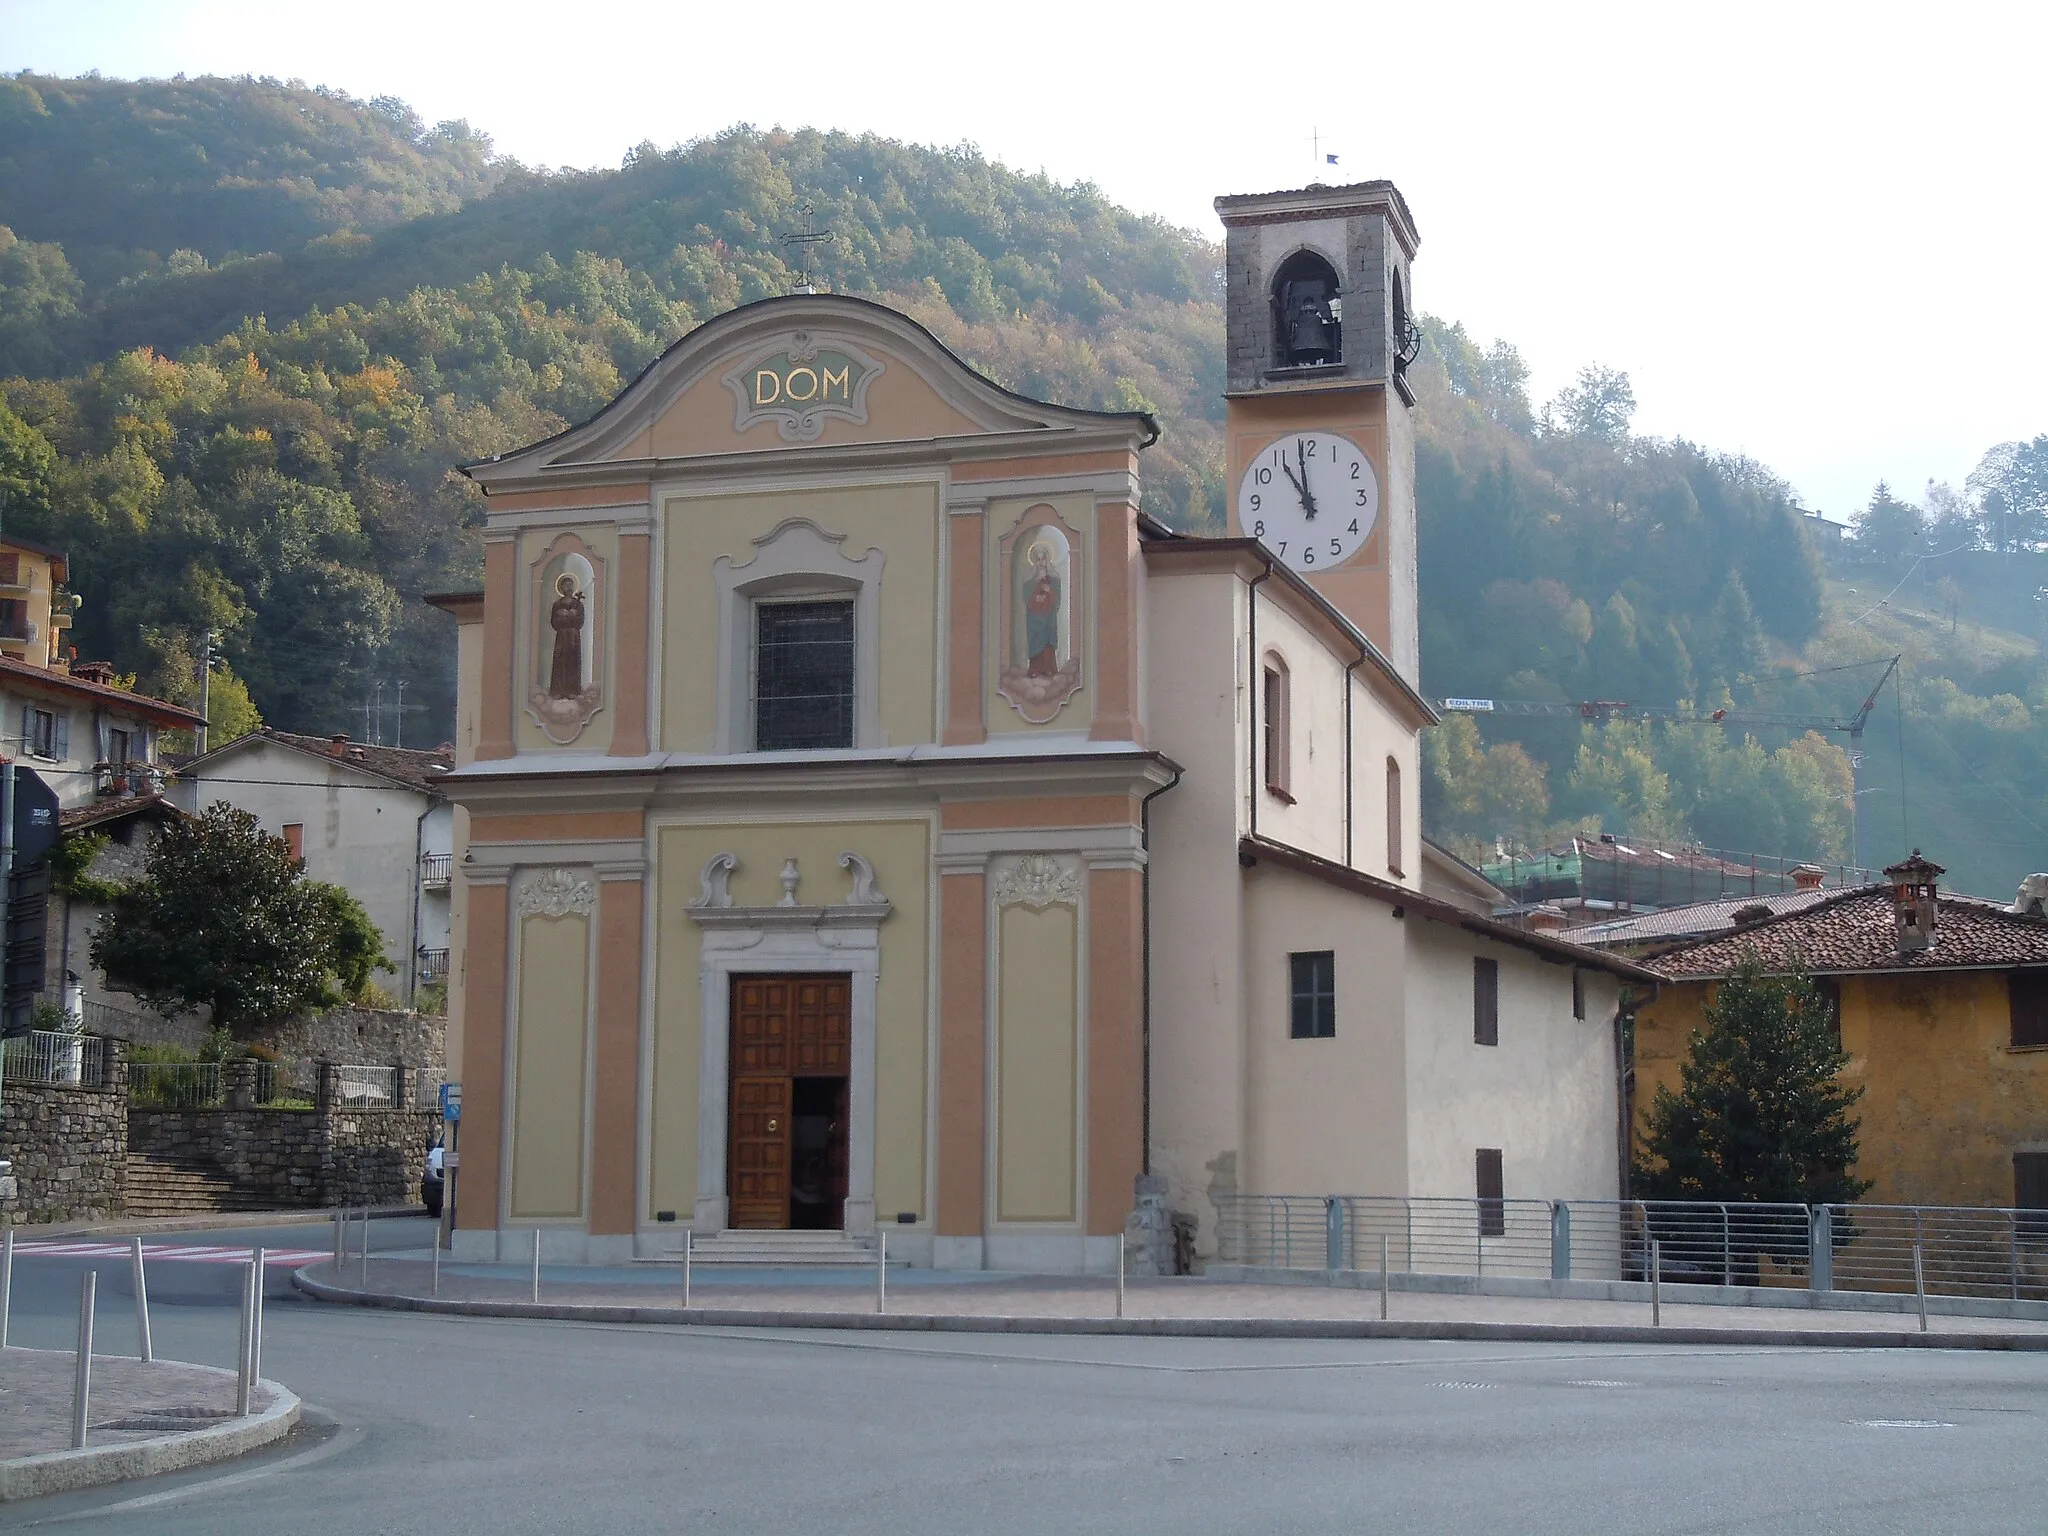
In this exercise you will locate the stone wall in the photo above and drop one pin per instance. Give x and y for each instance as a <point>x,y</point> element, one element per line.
<point>68,1145</point>
<point>296,1158</point>
<point>367,1036</point>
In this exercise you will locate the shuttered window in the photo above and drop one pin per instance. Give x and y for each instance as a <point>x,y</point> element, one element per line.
<point>1395,840</point>
<point>1485,1002</point>
<point>1493,1210</point>
<point>2028,991</point>
<point>2030,1193</point>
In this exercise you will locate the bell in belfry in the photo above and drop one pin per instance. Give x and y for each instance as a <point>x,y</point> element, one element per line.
<point>1311,328</point>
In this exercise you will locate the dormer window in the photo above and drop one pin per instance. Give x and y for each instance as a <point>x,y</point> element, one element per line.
<point>1308,313</point>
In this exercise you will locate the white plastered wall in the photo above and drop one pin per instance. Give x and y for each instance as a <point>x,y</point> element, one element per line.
<point>1547,1095</point>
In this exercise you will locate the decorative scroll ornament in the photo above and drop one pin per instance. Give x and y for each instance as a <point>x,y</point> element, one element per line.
<point>865,892</point>
<point>556,893</point>
<point>717,871</point>
<point>1038,880</point>
<point>798,382</point>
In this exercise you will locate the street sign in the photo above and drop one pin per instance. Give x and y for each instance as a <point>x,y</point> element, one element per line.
<point>451,1102</point>
<point>35,817</point>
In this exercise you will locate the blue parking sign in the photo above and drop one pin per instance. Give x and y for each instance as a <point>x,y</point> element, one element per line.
<point>451,1102</point>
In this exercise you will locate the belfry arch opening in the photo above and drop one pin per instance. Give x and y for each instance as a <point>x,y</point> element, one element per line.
<point>1308,313</point>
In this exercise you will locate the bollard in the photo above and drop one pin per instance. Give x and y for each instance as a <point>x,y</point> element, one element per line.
<point>1920,1282</point>
<point>882,1274</point>
<point>1383,1277</point>
<point>81,1383</point>
<point>687,1235</point>
<point>536,1265</point>
<point>242,1345</point>
<point>363,1256</point>
<point>1656,1284</point>
<point>6,1280</point>
<point>1119,1274</point>
<point>437,1263</point>
<point>340,1242</point>
<point>1560,1241</point>
<point>262,1259</point>
<point>143,1350</point>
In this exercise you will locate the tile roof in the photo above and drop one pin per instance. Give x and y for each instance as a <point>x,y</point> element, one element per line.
<point>1694,920</point>
<point>96,812</point>
<point>61,681</point>
<point>415,770</point>
<point>1854,931</point>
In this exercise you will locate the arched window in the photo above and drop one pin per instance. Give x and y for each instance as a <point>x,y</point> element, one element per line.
<point>1394,839</point>
<point>1274,726</point>
<point>1308,313</point>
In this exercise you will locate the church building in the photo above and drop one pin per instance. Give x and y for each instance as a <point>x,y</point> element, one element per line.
<point>869,818</point>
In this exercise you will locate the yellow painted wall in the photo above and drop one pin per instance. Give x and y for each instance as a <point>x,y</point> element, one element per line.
<point>1036,1042</point>
<point>1947,1100</point>
<point>533,542</point>
<point>903,520</point>
<point>1078,513</point>
<point>549,1041</point>
<point>900,853</point>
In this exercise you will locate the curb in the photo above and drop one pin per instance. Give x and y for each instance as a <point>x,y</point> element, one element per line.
<point>31,1477</point>
<point>1174,1327</point>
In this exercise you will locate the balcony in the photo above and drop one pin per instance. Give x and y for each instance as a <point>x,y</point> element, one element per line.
<point>435,870</point>
<point>433,965</point>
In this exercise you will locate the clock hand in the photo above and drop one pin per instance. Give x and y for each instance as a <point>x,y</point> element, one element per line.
<point>1308,500</point>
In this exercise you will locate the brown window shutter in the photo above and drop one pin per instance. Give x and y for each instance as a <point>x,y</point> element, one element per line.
<point>2030,1181</point>
<point>1493,1215</point>
<point>2028,991</point>
<point>1485,1001</point>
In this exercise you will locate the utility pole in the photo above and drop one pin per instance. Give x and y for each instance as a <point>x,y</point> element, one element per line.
<point>205,690</point>
<point>398,728</point>
<point>377,730</point>
<point>366,717</point>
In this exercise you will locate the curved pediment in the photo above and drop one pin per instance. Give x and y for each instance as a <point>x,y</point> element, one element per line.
<point>807,371</point>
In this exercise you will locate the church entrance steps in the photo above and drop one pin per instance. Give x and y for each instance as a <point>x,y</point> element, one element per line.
<point>166,1187</point>
<point>777,1249</point>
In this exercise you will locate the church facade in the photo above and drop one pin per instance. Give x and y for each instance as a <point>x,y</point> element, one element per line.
<point>872,819</point>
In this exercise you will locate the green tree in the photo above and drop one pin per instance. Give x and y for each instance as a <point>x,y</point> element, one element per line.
<point>1600,405</point>
<point>1761,1113</point>
<point>222,918</point>
<point>1889,530</point>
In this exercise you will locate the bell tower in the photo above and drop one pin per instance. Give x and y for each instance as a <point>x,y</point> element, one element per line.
<point>1319,429</point>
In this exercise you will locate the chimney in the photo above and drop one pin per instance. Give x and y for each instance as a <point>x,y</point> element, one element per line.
<point>1913,907</point>
<point>337,746</point>
<point>1807,877</point>
<point>1548,918</point>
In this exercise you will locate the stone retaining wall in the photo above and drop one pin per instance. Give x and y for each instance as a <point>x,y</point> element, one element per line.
<point>385,1035</point>
<point>296,1158</point>
<point>69,1147</point>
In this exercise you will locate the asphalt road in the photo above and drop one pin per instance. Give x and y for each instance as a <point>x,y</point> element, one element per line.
<point>455,1426</point>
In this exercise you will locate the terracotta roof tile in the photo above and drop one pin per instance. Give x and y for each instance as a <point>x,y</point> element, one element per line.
<point>1854,931</point>
<point>1695,919</point>
<point>416,770</point>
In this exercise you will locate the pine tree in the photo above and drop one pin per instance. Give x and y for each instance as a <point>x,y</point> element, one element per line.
<point>1761,1114</point>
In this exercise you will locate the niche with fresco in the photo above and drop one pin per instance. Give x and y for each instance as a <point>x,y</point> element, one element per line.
<point>567,684</point>
<point>1041,608</point>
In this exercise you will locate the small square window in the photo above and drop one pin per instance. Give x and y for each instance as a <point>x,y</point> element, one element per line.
<point>1485,1001</point>
<point>1312,995</point>
<point>295,839</point>
<point>803,675</point>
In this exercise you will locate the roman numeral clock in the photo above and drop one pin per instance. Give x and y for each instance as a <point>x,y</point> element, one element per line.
<point>1311,497</point>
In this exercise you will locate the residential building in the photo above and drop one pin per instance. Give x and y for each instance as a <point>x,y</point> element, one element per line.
<point>875,818</point>
<point>1942,1003</point>
<point>85,736</point>
<point>373,820</point>
<point>1598,879</point>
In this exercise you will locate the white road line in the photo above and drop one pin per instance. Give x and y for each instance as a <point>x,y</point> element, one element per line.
<point>188,1253</point>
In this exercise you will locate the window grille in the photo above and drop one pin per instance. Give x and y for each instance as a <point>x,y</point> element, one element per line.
<point>803,675</point>
<point>1312,995</point>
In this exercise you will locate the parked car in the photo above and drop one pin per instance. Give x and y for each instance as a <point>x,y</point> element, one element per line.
<point>430,1183</point>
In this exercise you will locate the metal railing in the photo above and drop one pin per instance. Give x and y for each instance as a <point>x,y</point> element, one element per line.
<point>1960,1250</point>
<point>426,1086</point>
<point>175,1085</point>
<point>286,1084</point>
<point>366,1087</point>
<point>55,1056</point>
<point>433,965</point>
<point>122,1023</point>
<point>435,869</point>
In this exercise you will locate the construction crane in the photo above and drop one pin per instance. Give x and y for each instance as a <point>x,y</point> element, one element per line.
<point>1599,711</point>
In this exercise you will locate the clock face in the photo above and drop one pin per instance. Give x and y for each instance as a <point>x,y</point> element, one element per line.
<point>1311,497</point>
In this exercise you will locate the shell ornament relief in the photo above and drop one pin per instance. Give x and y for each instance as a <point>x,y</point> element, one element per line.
<point>1038,880</point>
<point>556,893</point>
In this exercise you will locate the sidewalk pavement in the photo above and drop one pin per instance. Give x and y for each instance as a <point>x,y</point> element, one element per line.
<point>145,1418</point>
<point>980,1301</point>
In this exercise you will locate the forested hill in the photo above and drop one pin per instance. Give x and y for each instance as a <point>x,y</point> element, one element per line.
<point>247,329</point>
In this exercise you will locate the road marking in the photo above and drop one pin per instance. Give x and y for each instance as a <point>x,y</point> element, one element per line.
<point>1466,1386</point>
<point>1905,1424</point>
<point>180,1253</point>
<point>1594,1382</point>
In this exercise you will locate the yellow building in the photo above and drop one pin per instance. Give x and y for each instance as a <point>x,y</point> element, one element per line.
<point>1943,1006</point>
<point>872,818</point>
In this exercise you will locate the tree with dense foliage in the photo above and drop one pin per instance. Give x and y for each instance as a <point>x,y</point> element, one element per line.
<point>223,918</point>
<point>1761,1112</point>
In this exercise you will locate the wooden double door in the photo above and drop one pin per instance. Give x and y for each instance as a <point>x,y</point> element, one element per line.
<point>792,1049</point>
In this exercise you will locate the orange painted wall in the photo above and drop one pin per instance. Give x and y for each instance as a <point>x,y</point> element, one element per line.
<point>616,1100</point>
<point>1116,1065</point>
<point>963,1053</point>
<point>483,1058</point>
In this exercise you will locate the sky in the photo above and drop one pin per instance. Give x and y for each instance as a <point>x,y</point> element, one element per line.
<point>1809,232</point>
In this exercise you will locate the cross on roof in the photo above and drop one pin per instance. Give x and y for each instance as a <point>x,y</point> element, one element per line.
<point>801,243</point>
